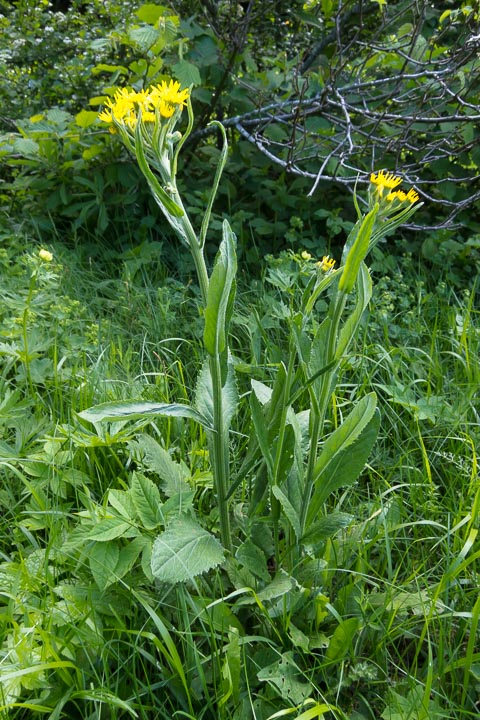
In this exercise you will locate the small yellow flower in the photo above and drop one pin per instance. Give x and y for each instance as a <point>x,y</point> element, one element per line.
<point>412,196</point>
<point>305,255</point>
<point>396,195</point>
<point>45,255</point>
<point>326,263</point>
<point>384,180</point>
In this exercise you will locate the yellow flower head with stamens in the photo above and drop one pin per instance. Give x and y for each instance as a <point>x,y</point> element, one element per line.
<point>126,104</point>
<point>384,181</point>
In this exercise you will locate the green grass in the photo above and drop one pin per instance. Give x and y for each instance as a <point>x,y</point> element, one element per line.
<point>381,623</point>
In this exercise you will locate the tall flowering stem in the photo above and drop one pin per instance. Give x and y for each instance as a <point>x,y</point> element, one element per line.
<point>146,122</point>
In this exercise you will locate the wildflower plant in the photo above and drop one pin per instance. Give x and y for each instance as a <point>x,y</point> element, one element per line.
<point>291,465</point>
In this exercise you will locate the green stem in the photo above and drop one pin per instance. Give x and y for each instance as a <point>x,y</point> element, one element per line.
<point>220,463</point>
<point>219,460</point>
<point>26,352</point>
<point>279,451</point>
<point>319,417</point>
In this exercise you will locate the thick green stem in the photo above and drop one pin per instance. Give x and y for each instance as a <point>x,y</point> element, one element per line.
<point>26,352</point>
<point>220,459</point>
<point>279,450</point>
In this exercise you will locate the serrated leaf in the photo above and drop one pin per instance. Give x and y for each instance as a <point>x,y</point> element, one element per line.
<point>129,555</point>
<point>146,499</point>
<point>144,36</point>
<point>186,73</point>
<point>26,146</point>
<point>184,551</point>
<point>112,412</point>
<point>103,559</point>
<point>159,461</point>
<point>109,529</point>
<point>121,501</point>
<point>287,677</point>
<point>326,527</point>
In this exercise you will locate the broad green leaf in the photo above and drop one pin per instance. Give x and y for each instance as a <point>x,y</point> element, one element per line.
<point>146,498</point>
<point>85,118</point>
<point>150,13</point>
<point>280,585</point>
<point>144,36</point>
<point>290,513</point>
<point>326,527</point>
<point>132,410</point>
<point>26,146</point>
<point>204,396</point>
<point>121,502</point>
<point>251,556</point>
<point>183,551</point>
<point>221,294</point>
<point>261,431</point>
<point>342,638</point>
<point>345,453</point>
<point>287,677</point>
<point>128,556</point>
<point>109,529</point>
<point>155,458</point>
<point>186,73</point>
<point>103,559</point>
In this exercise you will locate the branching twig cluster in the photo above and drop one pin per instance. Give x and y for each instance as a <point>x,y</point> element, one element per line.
<point>400,93</point>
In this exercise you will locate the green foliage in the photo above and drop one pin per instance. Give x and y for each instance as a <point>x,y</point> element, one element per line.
<point>350,587</point>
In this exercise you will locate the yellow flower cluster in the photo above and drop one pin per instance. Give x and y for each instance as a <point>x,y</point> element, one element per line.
<point>326,263</point>
<point>126,104</point>
<point>389,181</point>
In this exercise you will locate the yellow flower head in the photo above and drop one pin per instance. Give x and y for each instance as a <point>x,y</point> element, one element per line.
<point>412,196</point>
<point>384,181</point>
<point>326,263</point>
<point>45,255</point>
<point>126,104</point>
<point>305,255</point>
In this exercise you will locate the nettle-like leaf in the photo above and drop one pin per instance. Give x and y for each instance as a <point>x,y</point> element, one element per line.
<point>184,551</point>
<point>155,458</point>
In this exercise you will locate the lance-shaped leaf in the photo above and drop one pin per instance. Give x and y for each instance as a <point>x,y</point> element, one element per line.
<point>204,396</point>
<point>126,410</point>
<point>344,453</point>
<point>357,252</point>
<point>221,294</point>
<point>184,551</point>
